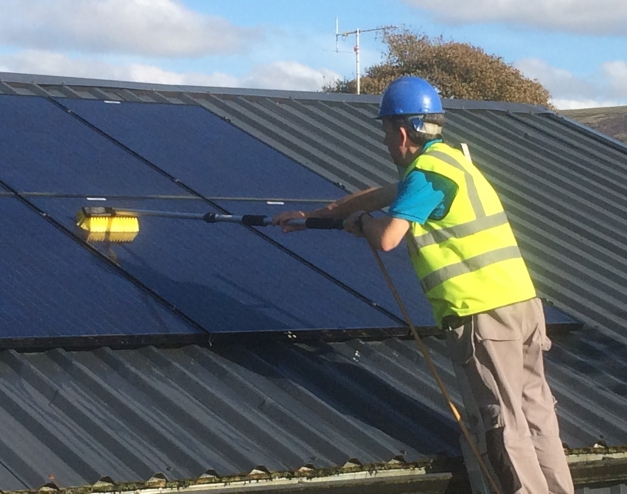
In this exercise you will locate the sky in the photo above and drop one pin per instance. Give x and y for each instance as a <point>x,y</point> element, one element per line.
<point>577,49</point>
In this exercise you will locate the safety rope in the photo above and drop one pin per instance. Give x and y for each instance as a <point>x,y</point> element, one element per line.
<point>434,372</point>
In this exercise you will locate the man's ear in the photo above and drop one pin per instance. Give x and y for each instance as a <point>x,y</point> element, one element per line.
<point>407,141</point>
<point>404,135</point>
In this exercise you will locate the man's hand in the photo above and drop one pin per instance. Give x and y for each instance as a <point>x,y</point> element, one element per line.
<point>282,219</point>
<point>370,200</point>
<point>354,223</point>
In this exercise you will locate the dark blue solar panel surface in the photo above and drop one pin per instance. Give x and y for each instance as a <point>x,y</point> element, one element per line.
<point>52,286</point>
<point>46,149</point>
<point>205,152</point>
<point>350,260</point>
<point>224,276</point>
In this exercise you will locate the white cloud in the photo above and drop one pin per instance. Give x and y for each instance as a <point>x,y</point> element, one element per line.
<point>557,81</point>
<point>288,75</point>
<point>606,88</point>
<point>158,28</point>
<point>599,17</point>
<point>616,72</point>
<point>277,75</point>
<point>49,63</point>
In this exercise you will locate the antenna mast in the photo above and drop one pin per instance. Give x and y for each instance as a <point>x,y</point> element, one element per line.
<point>357,32</point>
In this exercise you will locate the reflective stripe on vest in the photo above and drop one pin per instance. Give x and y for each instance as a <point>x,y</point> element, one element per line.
<point>477,206</point>
<point>460,231</point>
<point>435,278</point>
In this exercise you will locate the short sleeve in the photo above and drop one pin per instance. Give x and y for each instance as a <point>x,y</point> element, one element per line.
<point>421,196</point>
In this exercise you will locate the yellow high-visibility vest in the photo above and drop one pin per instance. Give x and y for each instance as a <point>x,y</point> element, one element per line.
<point>468,262</point>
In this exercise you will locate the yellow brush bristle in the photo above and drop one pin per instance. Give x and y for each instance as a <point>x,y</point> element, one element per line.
<point>108,228</point>
<point>116,237</point>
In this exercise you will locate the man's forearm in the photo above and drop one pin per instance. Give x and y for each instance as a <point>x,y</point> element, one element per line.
<point>364,200</point>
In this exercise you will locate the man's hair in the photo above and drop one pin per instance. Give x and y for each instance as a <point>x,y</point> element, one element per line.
<point>421,128</point>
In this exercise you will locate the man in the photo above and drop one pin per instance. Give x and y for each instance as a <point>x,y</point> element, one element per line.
<point>466,257</point>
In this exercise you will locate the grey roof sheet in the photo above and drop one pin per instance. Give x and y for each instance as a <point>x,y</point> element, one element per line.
<point>129,413</point>
<point>73,417</point>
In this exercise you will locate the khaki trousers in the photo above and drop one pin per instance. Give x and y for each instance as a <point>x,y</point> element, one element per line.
<point>498,360</point>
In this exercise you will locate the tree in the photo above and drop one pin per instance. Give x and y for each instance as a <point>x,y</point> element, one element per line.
<point>457,70</point>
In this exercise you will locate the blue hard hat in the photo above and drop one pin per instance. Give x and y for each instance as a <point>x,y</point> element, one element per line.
<point>409,96</point>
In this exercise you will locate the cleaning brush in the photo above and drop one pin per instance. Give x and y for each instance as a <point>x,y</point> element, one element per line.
<point>98,224</point>
<point>107,224</point>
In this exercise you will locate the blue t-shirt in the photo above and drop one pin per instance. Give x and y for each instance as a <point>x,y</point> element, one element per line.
<point>422,196</point>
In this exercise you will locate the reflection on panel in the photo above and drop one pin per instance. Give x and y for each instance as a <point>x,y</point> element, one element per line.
<point>203,151</point>
<point>224,276</point>
<point>44,149</point>
<point>52,286</point>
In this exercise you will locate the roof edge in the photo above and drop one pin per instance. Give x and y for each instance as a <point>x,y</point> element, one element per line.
<point>589,467</point>
<point>40,79</point>
<point>448,104</point>
<point>622,146</point>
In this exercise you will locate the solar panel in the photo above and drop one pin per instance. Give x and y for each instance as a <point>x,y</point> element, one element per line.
<point>54,287</point>
<point>44,149</point>
<point>224,276</point>
<point>203,151</point>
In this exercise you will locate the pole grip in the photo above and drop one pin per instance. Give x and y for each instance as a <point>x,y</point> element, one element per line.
<point>260,220</point>
<point>255,220</point>
<point>247,219</point>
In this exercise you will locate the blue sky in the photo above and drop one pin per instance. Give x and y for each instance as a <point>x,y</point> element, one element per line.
<point>576,48</point>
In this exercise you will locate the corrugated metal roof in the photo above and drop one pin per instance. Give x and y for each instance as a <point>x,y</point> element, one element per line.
<point>74,417</point>
<point>78,416</point>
